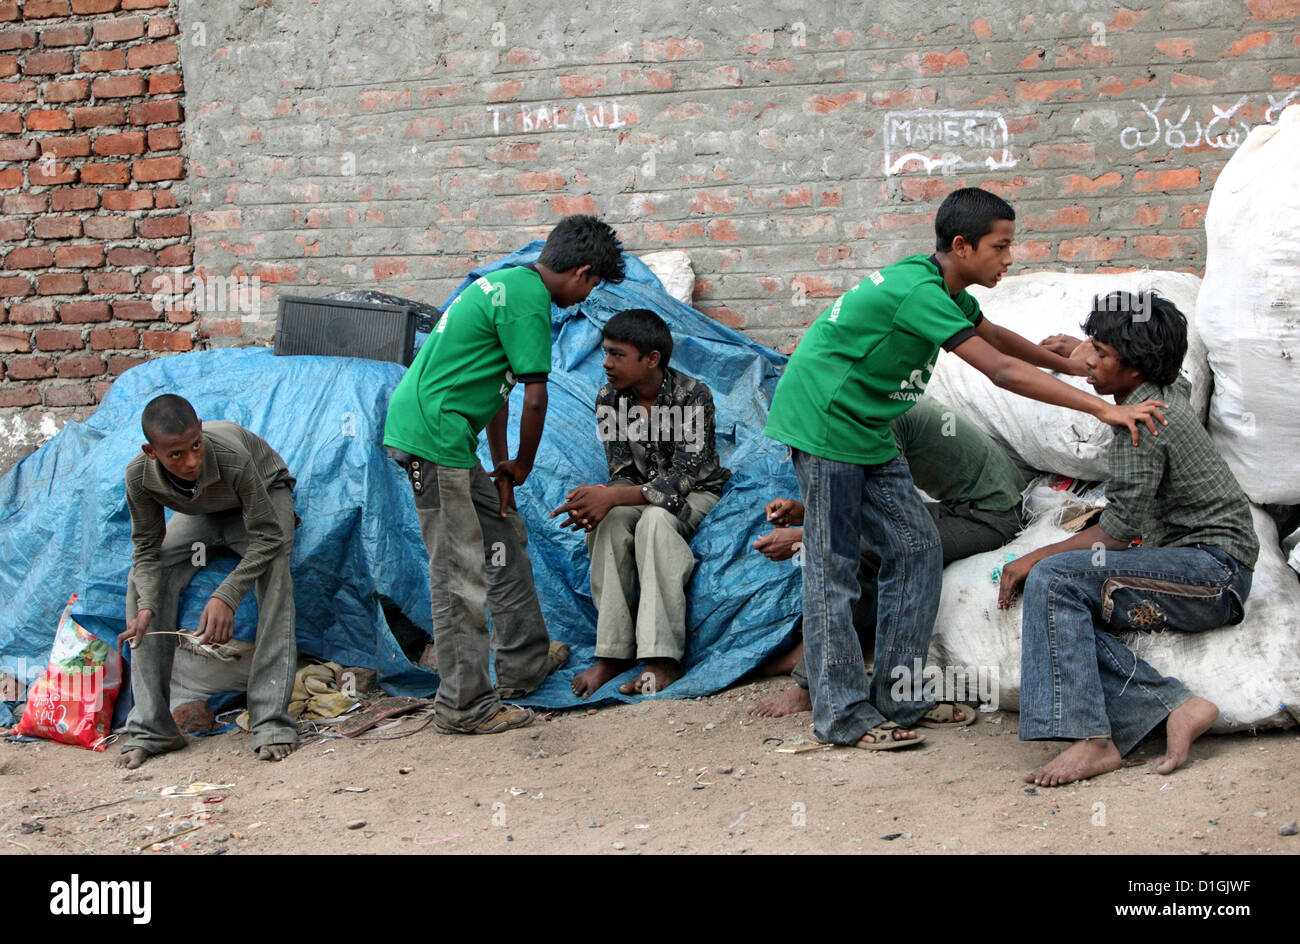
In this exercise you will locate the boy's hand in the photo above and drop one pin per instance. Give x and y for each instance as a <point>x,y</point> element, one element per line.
<point>506,490</point>
<point>1062,345</point>
<point>1131,416</point>
<point>217,622</point>
<point>1014,575</point>
<point>135,629</point>
<point>586,506</point>
<point>507,476</point>
<point>781,544</point>
<point>784,512</point>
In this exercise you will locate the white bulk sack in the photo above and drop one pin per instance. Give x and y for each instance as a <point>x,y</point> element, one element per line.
<point>1249,308</point>
<point>672,267</point>
<point>1035,306</point>
<point>1251,670</point>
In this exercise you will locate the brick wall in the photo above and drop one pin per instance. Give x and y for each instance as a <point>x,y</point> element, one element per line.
<point>90,207</point>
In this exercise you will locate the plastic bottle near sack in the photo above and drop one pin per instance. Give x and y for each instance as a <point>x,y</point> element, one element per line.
<point>1248,311</point>
<point>72,703</point>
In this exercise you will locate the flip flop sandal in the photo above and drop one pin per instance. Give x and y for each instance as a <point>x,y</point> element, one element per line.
<point>943,715</point>
<point>884,738</point>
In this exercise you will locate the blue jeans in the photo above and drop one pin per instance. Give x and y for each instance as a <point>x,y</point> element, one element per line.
<point>1077,679</point>
<point>843,503</point>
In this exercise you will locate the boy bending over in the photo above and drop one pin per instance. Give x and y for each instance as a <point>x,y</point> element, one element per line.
<point>228,489</point>
<point>658,429</point>
<point>1191,573</point>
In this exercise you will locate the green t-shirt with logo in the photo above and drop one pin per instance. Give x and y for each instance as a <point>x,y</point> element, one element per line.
<point>497,331</point>
<point>866,360</point>
<point>953,460</point>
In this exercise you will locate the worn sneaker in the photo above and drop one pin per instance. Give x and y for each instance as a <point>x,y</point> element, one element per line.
<point>557,654</point>
<point>507,717</point>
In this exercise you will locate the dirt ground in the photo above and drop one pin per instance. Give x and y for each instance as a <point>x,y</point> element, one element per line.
<point>699,776</point>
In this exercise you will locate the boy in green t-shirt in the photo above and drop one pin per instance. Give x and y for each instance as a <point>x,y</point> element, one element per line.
<point>862,363</point>
<point>496,333</point>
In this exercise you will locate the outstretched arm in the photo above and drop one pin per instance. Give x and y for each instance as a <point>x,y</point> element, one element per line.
<point>1012,344</point>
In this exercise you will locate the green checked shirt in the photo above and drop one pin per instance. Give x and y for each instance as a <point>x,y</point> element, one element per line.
<point>1175,490</point>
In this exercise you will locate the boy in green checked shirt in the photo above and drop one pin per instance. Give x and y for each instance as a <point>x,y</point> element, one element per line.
<point>496,333</point>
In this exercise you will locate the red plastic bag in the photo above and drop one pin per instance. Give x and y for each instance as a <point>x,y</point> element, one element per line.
<point>73,701</point>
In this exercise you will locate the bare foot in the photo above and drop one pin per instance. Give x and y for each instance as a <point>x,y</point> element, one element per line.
<point>1079,761</point>
<point>1186,723</point>
<point>275,752</point>
<point>657,675</point>
<point>585,683</point>
<point>789,702</point>
<point>782,663</point>
<point>131,759</point>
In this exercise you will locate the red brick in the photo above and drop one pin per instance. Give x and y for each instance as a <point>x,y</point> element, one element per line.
<point>81,365</point>
<point>129,142</point>
<point>44,9</point>
<point>15,342</point>
<point>164,139</point>
<point>143,4</point>
<point>14,286</point>
<point>161,26</point>
<point>60,283</point>
<point>58,339</point>
<point>97,116</point>
<point>1161,247</point>
<point>128,199</point>
<point>117,363</point>
<point>29,368</point>
<point>47,63</point>
<point>56,227</point>
<point>1177,48</point>
<point>95,6</point>
<point>83,312</point>
<point>1193,215</point>
<point>153,113</point>
<point>9,10</point>
<point>1148,215</point>
<point>79,257</point>
<point>13,230</point>
<point>22,204</point>
<point>102,60</point>
<point>39,311</point>
<point>100,389</point>
<point>1048,89</point>
<point>67,90</point>
<point>105,173</point>
<point>110,227</point>
<point>165,227</point>
<point>158,168</point>
<point>148,55</point>
<point>1089,249</point>
<point>69,395</point>
<point>1058,154</point>
<point>1243,45</point>
<point>1183,178</point>
<point>48,119</point>
<point>165,200</point>
<point>180,255</point>
<point>1078,183</point>
<point>29,257</point>
<point>166,341</point>
<point>180,315</point>
<point>126,256</point>
<point>166,83</point>
<point>126,27</point>
<point>110,283</point>
<point>23,91</point>
<point>8,66</point>
<point>17,150</point>
<point>11,122</point>
<point>135,310</point>
<point>19,394</point>
<point>1071,217</point>
<point>11,178</point>
<point>74,200</point>
<point>109,339</point>
<point>118,86</point>
<point>935,62</point>
<point>50,174</point>
<point>17,39</point>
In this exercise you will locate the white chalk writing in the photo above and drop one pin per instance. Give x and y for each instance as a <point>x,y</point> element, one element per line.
<point>581,116</point>
<point>946,141</point>
<point>1226,130</point>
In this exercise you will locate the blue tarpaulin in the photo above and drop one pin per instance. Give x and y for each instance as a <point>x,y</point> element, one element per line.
<point>64,526</point>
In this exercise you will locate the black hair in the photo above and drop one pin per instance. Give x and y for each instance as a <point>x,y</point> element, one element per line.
<point>168,415</point>
<point>1147,330</point>
<point>644,330</point>
<point>584,240</point>
<point>968,212</point>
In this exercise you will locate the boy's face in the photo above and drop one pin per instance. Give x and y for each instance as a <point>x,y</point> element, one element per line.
<point>181,455</point>
<point>987,263</point>
<point>575,285</point>
<point>1109,375</point>
<point>625,366</point>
